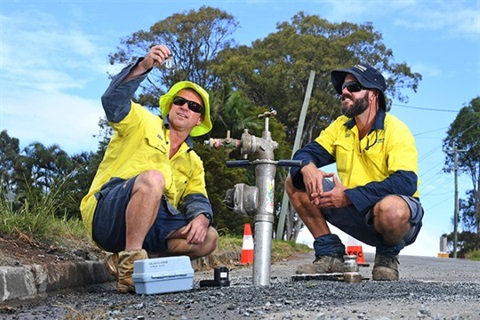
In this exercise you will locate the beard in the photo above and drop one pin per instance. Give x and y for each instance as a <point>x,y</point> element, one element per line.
<point>359,106</point>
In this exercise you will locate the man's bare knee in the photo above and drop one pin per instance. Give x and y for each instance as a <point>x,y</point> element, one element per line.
<point>151,181</point>
<point>392,216</point>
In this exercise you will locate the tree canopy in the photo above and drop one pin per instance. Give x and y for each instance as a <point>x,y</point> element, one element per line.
<point>195,38</point>
<point>464,135</point>
<point>274,71</point>
<point>38,170</point>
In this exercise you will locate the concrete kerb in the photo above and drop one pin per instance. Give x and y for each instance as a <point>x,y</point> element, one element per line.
<point>28,281</point>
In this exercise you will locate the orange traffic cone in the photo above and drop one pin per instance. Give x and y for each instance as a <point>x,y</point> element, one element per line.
<point>354,247</point>
<point>247,247</point>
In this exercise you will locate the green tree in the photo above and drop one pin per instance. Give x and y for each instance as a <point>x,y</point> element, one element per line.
<point>467,242</point>
<point>46,165</point>
<point>38,171</point>
<point>464,134</point>
<point>235,115</point>
<point>274,71</point>
<point>468,214</point>
<point>9,155</point>
<point>84,167</point>
<point>194,37</point>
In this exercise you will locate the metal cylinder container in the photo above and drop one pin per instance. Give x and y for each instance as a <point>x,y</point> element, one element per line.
<point>350,263</point>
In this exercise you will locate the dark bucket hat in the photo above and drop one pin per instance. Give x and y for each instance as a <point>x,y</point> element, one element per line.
<point>368,77</point>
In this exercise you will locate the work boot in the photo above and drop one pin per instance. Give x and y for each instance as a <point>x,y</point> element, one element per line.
<point>125,269</point>
<point>111,263</point>
<point>385,268</point>
<point>322,264</point>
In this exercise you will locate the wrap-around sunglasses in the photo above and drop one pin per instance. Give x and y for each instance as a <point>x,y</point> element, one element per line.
<point>192,105</point>
<point>353,86</point>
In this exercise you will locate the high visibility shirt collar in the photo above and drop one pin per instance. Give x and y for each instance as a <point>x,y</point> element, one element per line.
<point>188,141</point>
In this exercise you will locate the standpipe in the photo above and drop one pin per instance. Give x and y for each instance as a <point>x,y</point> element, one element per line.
<point>258,200</point>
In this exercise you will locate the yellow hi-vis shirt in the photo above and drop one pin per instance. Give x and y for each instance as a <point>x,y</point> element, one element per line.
<point>141,143</point>
<point>375,157</point>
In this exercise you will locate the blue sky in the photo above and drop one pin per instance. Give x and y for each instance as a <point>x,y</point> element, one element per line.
<point>53,70</point>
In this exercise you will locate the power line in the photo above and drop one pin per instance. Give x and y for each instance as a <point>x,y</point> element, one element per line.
<point>426,109</point>
<point>437,194</point>
<point>431,168</point>
<point>428,187</point>
<point>439,203</point>
<point>429,131</point>
<point>428,153</point>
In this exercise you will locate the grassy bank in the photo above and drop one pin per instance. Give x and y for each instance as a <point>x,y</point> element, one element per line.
<point>35,220</point>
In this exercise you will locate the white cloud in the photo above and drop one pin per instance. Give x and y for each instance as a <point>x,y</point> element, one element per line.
<point>38,50</point>
<point>453,18</point>
<point>61,119</point>
<point>48,71</point>
<point>426,69</point>
<point>345,10</point>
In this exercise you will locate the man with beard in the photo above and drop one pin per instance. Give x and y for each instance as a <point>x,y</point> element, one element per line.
<point>375,198</point>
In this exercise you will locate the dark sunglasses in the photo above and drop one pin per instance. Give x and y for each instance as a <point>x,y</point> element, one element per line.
<point>352,86</point>
<point>192,105</point>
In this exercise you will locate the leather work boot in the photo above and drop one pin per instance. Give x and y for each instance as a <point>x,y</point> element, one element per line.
<point>322,264</point>
<point>385,268</point>
<point>111,263</point>
<point>125,269</point>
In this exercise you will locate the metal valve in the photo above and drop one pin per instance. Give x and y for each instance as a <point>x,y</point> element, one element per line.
<point>242,199</point>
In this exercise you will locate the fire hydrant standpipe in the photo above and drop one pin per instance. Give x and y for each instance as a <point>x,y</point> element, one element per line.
<point>265,180</point>
<point>265,170</point>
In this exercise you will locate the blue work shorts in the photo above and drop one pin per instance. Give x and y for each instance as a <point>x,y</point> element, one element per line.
<point>359,226</point>
<point>109,224</point>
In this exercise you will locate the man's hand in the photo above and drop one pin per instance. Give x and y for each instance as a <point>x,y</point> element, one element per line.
<point>156,56</point>
<point>196,230</point>
<point>334,198</point>
<point>312,178</point>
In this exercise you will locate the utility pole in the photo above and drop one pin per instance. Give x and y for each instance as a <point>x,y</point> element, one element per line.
<point>457,205</point>
<point>296,146</point>
<point>455,214</point>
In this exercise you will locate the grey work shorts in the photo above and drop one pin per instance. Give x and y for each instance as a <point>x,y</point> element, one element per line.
<point>359,226</point>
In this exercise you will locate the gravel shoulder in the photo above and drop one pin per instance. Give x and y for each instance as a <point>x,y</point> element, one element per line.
<point>430,288</point>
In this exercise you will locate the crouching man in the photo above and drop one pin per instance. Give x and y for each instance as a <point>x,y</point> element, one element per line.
<point>375,198</point>
<point>148,198</point>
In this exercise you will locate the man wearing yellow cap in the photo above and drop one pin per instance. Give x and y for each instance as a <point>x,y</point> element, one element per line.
<point>148,197</point>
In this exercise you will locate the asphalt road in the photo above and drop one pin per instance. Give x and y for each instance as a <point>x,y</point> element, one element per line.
<point>429,288</point>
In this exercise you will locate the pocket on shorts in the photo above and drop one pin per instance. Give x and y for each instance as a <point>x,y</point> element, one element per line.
<point>105,189</point>
<point>170,208</point>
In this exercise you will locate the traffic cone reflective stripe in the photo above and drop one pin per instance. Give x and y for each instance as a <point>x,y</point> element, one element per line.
<point>247,246</point>
<point>354,247</point>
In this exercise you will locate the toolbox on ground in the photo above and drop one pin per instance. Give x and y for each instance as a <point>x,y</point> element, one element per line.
<point>162,275</point>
